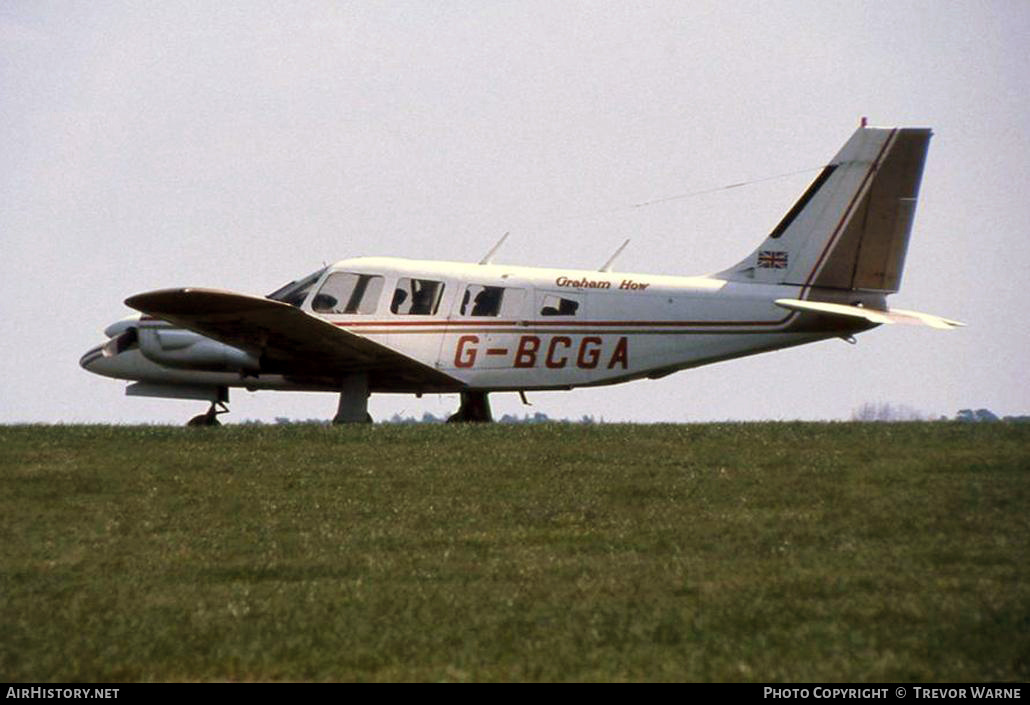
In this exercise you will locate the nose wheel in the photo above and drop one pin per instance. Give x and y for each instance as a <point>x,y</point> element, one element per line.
<point>211,417</point>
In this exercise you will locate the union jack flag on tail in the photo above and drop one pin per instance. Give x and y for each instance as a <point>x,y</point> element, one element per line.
<point>772,259</point>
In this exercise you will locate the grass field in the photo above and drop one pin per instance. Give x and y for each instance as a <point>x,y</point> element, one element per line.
<point>717,552</point>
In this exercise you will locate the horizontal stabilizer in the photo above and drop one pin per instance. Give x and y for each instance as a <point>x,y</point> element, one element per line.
<point>891,315</point>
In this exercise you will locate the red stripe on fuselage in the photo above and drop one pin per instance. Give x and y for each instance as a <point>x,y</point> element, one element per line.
<point>549,324</point>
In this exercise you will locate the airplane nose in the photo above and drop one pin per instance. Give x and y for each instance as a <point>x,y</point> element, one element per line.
<point>94,354</point>
<point>111,359</point>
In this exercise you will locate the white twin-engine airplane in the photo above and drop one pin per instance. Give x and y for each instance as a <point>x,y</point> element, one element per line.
<point>369,325</point>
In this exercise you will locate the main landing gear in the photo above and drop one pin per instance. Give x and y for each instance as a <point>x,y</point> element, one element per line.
<point>353,406</point>
<point>475,408</point>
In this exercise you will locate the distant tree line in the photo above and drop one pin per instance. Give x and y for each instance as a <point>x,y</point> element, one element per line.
<point>887,412</point>
<point>881,412</point>
<point>899,412</point>
<point>987,415</point>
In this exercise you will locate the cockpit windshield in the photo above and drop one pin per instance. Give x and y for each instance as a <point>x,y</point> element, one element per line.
<point>295,292</point>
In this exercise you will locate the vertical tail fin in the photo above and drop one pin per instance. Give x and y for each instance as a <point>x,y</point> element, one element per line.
<point>850,228</point>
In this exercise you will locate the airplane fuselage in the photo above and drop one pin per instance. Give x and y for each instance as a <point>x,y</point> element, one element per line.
<point>551,328</point>
<point>370,325</point>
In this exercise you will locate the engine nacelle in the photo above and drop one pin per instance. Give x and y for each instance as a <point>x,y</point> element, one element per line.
<point>188,350</point>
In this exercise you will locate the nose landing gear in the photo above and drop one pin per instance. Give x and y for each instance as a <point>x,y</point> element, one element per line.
<point>219,397</point>
<point>211,417</point>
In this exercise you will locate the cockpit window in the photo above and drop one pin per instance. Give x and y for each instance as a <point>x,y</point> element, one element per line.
<point>346,292</point>
<point>416,297</point>
<point>295,292</point>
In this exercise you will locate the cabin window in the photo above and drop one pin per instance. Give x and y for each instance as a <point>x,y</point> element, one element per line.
<point>416,297</point>
<point>346,292</point>
<point>558,306</point>
<point>479,300</point>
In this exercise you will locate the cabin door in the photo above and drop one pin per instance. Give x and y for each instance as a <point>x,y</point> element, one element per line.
<point>484,327</point>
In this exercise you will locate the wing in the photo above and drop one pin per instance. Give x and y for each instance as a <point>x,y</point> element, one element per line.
<point>289,341</point>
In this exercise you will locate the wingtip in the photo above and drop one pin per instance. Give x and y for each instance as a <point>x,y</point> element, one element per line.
<point>192,299</point>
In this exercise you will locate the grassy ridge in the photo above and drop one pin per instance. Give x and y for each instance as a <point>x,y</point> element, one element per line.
<point>796,552</point>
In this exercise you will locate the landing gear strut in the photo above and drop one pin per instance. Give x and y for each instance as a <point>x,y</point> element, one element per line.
<point>353,406</point>
<point>211,417</point>
<point>475,408</point>
<point>219,397</point>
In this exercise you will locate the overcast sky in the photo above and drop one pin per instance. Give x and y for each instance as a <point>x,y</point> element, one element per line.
<point>241,145</point>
